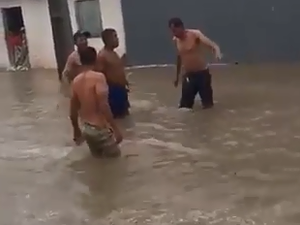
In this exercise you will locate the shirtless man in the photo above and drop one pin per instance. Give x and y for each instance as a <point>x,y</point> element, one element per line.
<point>197,78</point>
<point>73,64</point>
<point>89,100</point>
<point>113,67</point>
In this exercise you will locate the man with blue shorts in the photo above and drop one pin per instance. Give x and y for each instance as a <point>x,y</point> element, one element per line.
<point>113,67</point>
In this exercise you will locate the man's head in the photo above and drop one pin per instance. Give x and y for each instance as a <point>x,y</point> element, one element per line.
<point>110,38</point>
<point>177,27</point>
<point>80,39</point>
<point>88,56</point>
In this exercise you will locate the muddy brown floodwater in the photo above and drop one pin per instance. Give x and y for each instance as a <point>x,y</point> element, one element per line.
<point>237,164</point>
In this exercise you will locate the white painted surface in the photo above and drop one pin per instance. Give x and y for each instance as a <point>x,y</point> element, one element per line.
<point>112,17</point>
<point>39,33</point>
<point>4,60</point>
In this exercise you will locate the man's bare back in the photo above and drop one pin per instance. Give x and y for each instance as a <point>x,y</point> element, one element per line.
<point>89,102</point>
<point>84,87</point>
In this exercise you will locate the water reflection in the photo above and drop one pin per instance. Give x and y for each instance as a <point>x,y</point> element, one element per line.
<point>235,164</point>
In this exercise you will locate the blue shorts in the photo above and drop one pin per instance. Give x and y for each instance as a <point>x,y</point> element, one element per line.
<point>118,100</point>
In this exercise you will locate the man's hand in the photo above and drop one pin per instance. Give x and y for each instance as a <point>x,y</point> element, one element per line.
<point>118,135</point>
<point>218,54</point>
<point>127,88</point>
<point>209,43</point>
<point>77,137</point>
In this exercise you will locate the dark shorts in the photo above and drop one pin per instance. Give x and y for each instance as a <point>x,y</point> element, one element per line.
<point>118,100</point>
<point>196,83</point>
<point>101,141</point>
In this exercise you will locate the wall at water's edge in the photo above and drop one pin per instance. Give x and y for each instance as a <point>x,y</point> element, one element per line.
<point>39,33</point>
<point>247,31</point>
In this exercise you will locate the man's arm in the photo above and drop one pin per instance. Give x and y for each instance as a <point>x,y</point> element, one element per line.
<point>102,99</point>
<point>178,62</point>
<point>71,68</point>
<point>209,43</point>
<point>178,67</point>
<point>67,70</point>
<point>74,108</point>
<point>100,64</point>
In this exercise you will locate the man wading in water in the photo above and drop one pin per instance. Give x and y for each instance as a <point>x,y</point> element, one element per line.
<point>73,64</point>
<point>197,78</point>
<point>113,67</point>
<point>89,100</point>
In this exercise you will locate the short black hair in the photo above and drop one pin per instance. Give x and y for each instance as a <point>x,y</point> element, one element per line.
<point>79,34</point>
<point>107,34</point>
<point>175,22</point>
<point>88,56</point>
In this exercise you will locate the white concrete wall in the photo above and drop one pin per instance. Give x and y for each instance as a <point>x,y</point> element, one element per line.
<point>4,60</point>
<point>39,33</point>
<point>112,17</point>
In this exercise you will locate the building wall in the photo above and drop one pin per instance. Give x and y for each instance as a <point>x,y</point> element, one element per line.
<point>247,31</point>
<point>111,15</point>
<point>39,33</point>
<point>4,60</point>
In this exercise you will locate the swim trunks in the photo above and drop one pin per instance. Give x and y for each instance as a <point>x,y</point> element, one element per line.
<point>101,141</point>
<point>118,100</point>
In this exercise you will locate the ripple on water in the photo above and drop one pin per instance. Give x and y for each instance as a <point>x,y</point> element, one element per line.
<point>137,105</point>
<point>165,217</point>
<point>157,126</point>
<point>172,146</point>
<point>35,153</point>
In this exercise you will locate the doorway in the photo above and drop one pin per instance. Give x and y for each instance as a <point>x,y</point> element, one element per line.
<point>16,40</point>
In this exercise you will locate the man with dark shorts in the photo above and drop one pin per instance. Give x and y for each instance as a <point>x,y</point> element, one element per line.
<point>89,101</point>
<point>113,67</point>
<point>73,64</point>
<point>196,78</point>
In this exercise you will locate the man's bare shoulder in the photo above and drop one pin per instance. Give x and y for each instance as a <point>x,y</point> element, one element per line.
<point>195,32</point>
<point>102,54</point>
<point>91,77</point>
<point>74,56</point>
<point>97,75</point>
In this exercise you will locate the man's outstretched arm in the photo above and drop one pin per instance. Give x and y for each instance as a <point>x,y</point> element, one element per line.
<point>209,43</point>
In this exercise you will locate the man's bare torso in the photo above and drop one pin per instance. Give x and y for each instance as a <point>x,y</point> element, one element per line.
<point>112,66</point>
<point>83,87</point>
<point>189,49</point>
<point>73,66</point>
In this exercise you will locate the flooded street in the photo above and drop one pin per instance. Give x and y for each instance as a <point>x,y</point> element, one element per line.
<point>236,164</point>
